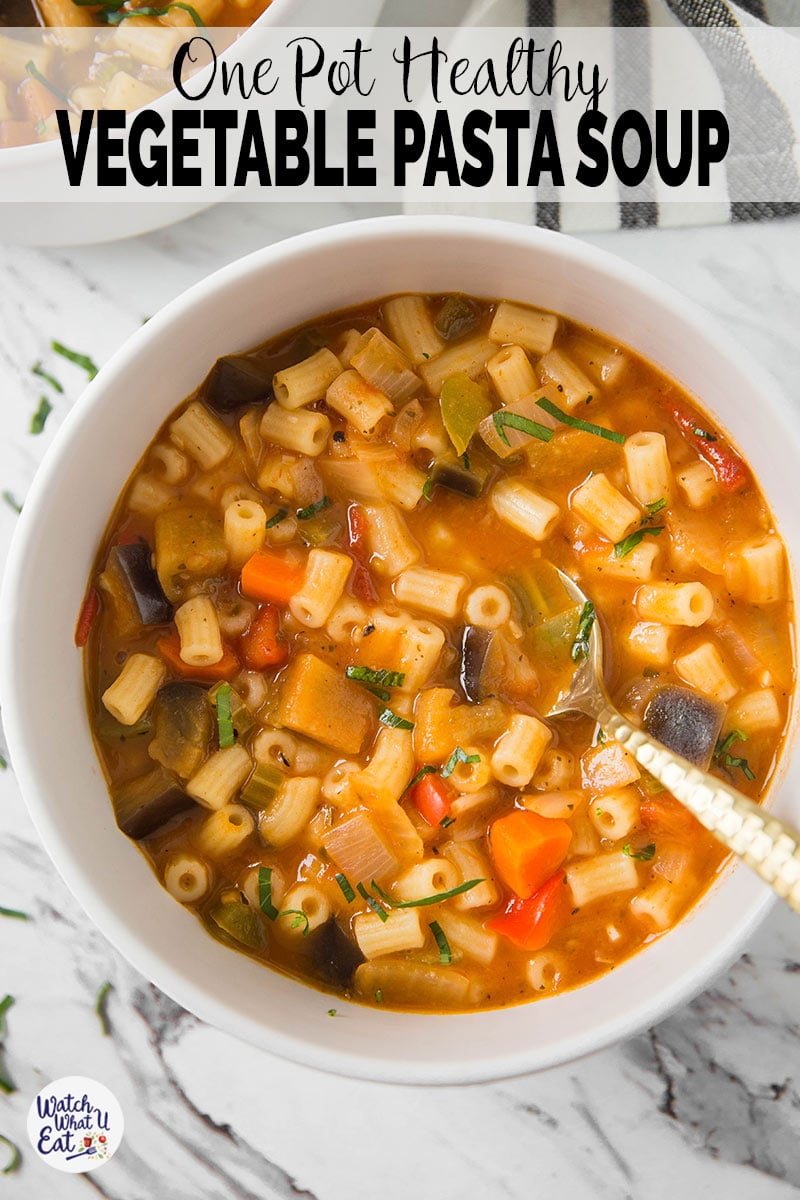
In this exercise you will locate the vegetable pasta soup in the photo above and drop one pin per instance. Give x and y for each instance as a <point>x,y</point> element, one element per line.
<point>325,631</point>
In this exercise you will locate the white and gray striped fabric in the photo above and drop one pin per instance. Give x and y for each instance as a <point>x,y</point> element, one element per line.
<point>751,102</point>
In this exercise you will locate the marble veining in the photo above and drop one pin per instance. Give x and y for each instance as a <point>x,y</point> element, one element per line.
<point>704,1104</point>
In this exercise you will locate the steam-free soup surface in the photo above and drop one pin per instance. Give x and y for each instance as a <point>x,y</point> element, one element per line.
<point>329,633</point>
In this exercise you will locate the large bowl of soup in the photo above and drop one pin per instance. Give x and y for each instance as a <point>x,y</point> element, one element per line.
<point>301,771</point>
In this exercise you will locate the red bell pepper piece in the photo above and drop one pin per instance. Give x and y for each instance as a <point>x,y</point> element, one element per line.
<point>432,797</point>
<point>357,530</point>
<point>261,646</point>
<point>729,470</point>
<point>532,923</point>
<point>169,647</point>
<point>89,610</point>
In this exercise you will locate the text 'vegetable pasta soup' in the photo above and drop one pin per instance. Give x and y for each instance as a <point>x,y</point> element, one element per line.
<point>325,633</point>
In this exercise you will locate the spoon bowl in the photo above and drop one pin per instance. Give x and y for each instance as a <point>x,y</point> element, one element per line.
<point>769,846</point>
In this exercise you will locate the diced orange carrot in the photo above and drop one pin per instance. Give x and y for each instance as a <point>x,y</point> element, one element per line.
<point>169,647</point>
<point>261,646</point>
<point>527,849</point>
<point>272,577</point>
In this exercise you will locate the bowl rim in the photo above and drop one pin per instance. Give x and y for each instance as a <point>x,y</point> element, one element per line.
<point>152,963</point>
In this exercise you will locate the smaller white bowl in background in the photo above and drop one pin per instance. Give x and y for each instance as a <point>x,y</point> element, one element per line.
<point>41,680</point>
<point>29,169</point>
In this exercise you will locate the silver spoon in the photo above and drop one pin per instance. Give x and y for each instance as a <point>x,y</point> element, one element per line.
<point>765,843</point>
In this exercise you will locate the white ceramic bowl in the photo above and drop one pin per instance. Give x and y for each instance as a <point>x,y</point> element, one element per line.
<point>52,555</point>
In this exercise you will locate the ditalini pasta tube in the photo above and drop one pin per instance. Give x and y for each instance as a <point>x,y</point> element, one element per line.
<point>524,509</point>
<point>307,381</point>
<point>134,690</point>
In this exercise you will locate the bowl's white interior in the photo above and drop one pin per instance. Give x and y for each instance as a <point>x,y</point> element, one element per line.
<point>42,691</point>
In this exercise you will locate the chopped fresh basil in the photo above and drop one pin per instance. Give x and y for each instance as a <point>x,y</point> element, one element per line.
<point>265,893</point>
<point>224,716</point>
<point>377,908</point>
<point>38,370</point>
<point>387,717</point>
<point>421,773</point>
<point>11,502</point>
<point>458,756</point>
<point>15,913</point>
<point>427,488</point>
<point>100,1007</point>
<point>331,1012</point>
<point>445,953</point>
<point>299,917</point>
<point>646,854</point>
<point>723,757</point>
<point>80,360</point>
<point>5,1005</point>
<point>36,74</point>
<point>610,435</point>
<point>426,900</point>
<point>656,506</point>
<point>705,434</point>
<point>311,510</point>
<point>347,890</point>
<point>277,517</point>
<point>623,548</point>
<point>376,681</point>
<point>446,822</point>
<point>15,1156</point>
<point>580,647</point>
<point>3,763</point>
<point>502,419</point>
<point>379,996</point>
<point>39,418</point>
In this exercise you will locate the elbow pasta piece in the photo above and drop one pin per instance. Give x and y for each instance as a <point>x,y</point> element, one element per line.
<point>361,404</point>
<point>467,354</point>
<point>546,971</point>
<point>172,466</point>
<point>436,592</point>
<point>638,565</point>
<point>134,690</point>
<point>426,878</point>
<point>652,643</point>
<point>556,771</point>
<point>524,509</point>
<point>471,777</point>
<point>220,777</point>
<point>472,863</point>
<point>648,468</point>
<point>519,750</point>
<point>554,805</point>
<point>592,878</point>
<point>245,525</point>
<point>390,768</point>
<point>198,629</point>
<point>327,572</point>
<point>224,829</point>
<point>689,604</point>
<point>337,786</point>
<point>300,430</point>
<point>345,615</point>
<point>469,936</point>
<point>149,496</point>
<point>704,669</point>
<point>698,484</point>
<point>487,606</point>
<point>391,543</point>
<point>659,904</point>
<point>306,381</point>
<point>411,326</point>
<point>571,384</point>
<point>187,878</point>
<point>198,432</point>
<point>303,898</point>
<point>614,814</point>
<point>402,930</point>
<point>761,570</point>
<point>605,508</point>
<point>290,811</point>
<point>526,326</point>
<point>511,373</point>
<point>251,886</point>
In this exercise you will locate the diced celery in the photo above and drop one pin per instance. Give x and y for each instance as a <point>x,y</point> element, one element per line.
<point>240,714</point>
<point>262,785</point>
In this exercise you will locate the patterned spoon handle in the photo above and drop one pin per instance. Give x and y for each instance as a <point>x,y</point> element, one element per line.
<point>766,844</point>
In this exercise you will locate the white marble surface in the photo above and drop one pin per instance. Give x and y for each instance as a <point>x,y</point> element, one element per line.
<point>705,1104</point>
